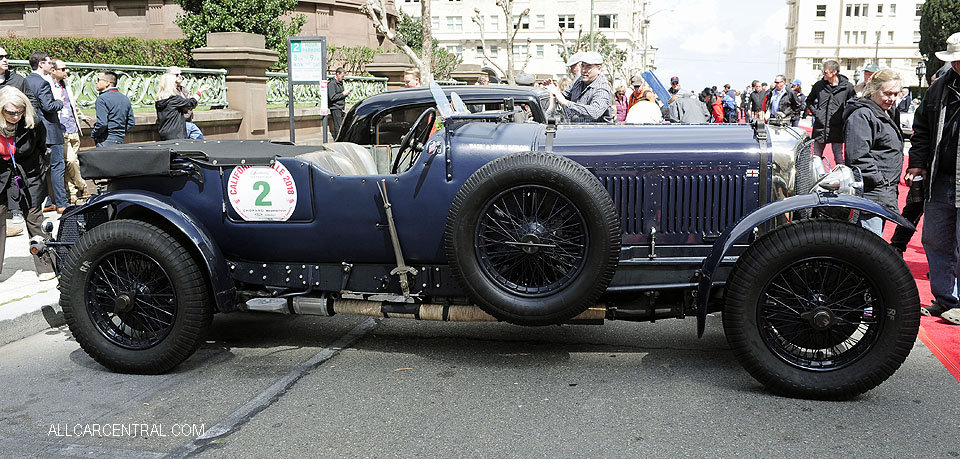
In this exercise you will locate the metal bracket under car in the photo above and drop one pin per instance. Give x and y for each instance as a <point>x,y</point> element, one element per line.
<point>402,269</point>
<point>750,221</point>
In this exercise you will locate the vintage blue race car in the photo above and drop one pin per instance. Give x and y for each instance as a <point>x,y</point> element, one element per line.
<point>490,219</point>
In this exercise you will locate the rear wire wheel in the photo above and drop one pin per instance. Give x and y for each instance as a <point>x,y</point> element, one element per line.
<point>134,297</point>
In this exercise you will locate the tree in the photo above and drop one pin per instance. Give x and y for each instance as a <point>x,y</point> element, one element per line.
<point>201,17</point>
<point>376,10</point>
<point>510,21</point>
<point>938,20</point>
<point>613,57</point>
<point>410,31</point>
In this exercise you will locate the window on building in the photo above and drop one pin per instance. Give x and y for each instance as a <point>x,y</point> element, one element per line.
<point>541,21</point>
<point>455,23</point>
<point>566,21</point>
<point>494,49</point>
<point>456,50</point>
<point>849,10</point>
<point>494,24</point>
<point>879,9</point>
<point>916,36</point>
<point>479,51</point>
<point>892,11</point>
<point>520,51</point>
<point>821,11</point>
<point>435,22</point>
<point>856,10</point>
<point>889,36</point>
<point>919,7</point>
<point>818,37</point>
<point>818,64</point>
<point>523,23</point>
<point>853,64</point>
<point>606,21</point>
<point>863,36</point>
<point>846,36</point>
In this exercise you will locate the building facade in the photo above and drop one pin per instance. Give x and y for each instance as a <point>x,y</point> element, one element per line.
<point>885,33</point>
<point>339,20</point>
<point>621,22</point>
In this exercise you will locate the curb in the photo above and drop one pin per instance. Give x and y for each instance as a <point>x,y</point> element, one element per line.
<point>23,318</point>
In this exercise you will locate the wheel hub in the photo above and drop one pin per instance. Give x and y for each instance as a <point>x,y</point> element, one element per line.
<point>124,301</point>
<point>530,238</point>
<point>820,318</point>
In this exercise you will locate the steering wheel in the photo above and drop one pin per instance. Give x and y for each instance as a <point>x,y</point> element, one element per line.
<point>412,143</point>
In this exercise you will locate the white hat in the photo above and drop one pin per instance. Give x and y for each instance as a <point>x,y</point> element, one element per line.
<point>953,49</point>
<point>575,59</point>
<point>591,58</point>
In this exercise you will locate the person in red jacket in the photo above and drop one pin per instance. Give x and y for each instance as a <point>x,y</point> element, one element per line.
<point>713,104</point>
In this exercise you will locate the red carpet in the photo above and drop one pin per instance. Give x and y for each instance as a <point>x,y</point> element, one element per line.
<point>940,336</point>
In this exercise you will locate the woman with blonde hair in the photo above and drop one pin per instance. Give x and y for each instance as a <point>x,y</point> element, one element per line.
<point>171,106</point>
<point>874,142</point>
<point>22,145</point>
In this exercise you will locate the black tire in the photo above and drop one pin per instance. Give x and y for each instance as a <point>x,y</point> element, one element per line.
<point>821,309</point>
<point>579,237</point>
<point>145,318</point>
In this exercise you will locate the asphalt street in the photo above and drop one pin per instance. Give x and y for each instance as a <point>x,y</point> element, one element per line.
<point>274,386</point>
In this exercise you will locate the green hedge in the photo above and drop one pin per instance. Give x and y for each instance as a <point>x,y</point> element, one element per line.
<point>118,51</point>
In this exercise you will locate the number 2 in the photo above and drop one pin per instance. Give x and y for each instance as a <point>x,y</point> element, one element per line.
<point>263,194</point>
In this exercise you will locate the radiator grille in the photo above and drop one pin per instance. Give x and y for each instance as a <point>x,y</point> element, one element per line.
<point>703,203</point>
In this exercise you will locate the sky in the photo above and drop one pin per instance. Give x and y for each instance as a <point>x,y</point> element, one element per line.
<point>714,42</point>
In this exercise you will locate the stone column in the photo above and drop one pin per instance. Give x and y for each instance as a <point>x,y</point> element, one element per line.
<point>246,59</point>
<point>391,67</point>
<point>467,73</point>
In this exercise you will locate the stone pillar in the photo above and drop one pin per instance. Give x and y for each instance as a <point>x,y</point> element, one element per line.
<point>467,73</point>
<point>391,67</point>
<point>246,59</point>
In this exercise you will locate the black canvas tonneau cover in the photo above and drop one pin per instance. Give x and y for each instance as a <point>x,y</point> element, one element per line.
<point>132,160</point>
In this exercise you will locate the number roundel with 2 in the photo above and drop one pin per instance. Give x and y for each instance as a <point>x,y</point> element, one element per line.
<point>262,193</point>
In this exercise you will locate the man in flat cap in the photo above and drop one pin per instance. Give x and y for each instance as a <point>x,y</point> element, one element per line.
<point>934,159</point>
<point>525,79</point>
<point>589,99</point>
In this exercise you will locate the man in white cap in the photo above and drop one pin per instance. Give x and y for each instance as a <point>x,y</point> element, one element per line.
<point>589,99</point>
<point>573,65</point>
<point>934,159</point>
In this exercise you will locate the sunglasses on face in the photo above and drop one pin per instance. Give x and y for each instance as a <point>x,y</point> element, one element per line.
<point>4,56</point>
<point>13,113</point>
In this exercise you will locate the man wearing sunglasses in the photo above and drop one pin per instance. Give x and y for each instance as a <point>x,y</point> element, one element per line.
<point>48,109</point>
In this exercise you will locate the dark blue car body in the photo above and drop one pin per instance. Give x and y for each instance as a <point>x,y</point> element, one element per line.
<point>687,200</point>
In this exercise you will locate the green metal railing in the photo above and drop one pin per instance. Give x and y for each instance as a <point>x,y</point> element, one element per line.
<point>139,83</point>
<point>360,88</point>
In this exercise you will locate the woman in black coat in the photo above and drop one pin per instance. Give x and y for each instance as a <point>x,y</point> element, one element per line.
<point>22,148</point>
<point>874,142</point>
<point>171,107</point>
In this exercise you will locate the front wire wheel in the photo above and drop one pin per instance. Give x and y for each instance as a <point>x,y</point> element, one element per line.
<point>821,309</point>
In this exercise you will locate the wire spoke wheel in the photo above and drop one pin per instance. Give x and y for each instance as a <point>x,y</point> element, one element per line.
<point>821,309</point>
<point>820,314</point>
<point>531,240</point>
<point>131,299</point>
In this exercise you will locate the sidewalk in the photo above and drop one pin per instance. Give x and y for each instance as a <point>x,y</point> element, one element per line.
<point>27,305</point>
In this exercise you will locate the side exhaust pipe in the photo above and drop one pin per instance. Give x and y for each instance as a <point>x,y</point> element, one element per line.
<point>326,306</point>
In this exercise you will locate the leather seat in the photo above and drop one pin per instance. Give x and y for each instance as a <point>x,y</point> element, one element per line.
<point>342,158</point>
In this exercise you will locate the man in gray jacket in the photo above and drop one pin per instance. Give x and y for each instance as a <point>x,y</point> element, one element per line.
<point>934,159</point>
<point>684,108</point>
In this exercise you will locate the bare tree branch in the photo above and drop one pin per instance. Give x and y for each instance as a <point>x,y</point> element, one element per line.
<point>478,20</point>
<point>376,10</point>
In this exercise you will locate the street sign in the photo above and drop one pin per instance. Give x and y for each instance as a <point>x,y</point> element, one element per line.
<point>307,64</point>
